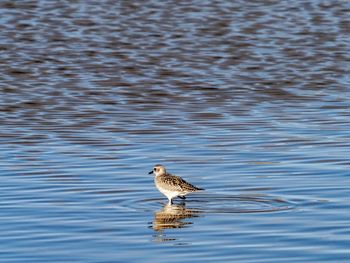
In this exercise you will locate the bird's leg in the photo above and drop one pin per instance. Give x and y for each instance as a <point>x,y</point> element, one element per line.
<point>170,201</point>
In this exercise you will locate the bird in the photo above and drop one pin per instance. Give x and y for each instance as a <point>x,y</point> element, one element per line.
<point>171,185</point>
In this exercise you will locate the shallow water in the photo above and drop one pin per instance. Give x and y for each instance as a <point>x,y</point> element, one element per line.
<point>248,100</point>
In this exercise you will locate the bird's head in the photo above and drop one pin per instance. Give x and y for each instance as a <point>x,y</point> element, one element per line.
<point>158,170</point>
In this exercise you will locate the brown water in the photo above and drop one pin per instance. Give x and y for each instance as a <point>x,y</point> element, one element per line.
<point>247,99</point>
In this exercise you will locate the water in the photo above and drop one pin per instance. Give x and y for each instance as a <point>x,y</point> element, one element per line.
<point>247,99</point>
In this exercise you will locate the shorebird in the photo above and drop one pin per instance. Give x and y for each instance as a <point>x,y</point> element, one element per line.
<point>171,185</point>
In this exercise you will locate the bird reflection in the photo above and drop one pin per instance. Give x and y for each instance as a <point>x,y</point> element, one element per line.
<point>171,216</point>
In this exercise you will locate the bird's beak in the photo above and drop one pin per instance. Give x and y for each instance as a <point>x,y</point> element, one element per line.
<point>151,172</point>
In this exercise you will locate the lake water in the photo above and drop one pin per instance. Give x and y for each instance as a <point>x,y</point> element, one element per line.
<point>247,99</point>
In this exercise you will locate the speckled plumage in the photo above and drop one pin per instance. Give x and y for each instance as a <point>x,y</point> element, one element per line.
<point>171,185</point>
<point>174,183</point>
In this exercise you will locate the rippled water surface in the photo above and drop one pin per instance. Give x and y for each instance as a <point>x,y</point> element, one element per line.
<point>247,99</point>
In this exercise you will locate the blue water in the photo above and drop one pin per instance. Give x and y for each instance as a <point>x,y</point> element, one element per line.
<point>248,100</point>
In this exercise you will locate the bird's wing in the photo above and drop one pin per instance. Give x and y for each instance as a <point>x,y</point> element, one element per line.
<point>173,182</point>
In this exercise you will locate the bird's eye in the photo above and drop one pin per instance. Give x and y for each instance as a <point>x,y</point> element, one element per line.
<point>154,169</point>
